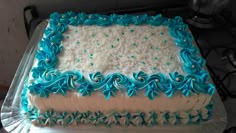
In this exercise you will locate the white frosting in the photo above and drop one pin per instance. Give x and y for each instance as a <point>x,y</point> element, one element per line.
<point>73,101</point>
<point>105,49</point>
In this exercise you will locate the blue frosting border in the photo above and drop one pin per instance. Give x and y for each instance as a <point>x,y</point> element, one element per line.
<point>50,80</point>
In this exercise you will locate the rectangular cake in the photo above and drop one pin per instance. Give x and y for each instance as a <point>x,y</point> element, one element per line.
<point>117,70</point>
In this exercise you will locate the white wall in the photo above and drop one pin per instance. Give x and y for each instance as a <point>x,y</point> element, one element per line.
<point>13,39</point>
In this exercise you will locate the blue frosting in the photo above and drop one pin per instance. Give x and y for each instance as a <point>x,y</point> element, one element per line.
<point>50,80</point>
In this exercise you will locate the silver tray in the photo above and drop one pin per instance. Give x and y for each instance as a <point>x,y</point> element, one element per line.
<point>14,121</point>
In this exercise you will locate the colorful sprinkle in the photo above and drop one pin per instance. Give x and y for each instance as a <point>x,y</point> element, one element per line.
<point>76,31</point>
<point>156,48</point>
<point>118,39</point>
<point>85,51</point>
<point>134,44</point>
<point>154,68</point>
<point>120,56</point>
<point>153,34</point>
<point>77,42</point>
<point>143,62</point>
<point>145,37</point>
<point>91,56</point>
<point>165,41</point>
<point>117,67</point>
<point>93,35</point>
<point>171,57</point>
<point>106,35</point>
<point>168,63</point>
<point>67,37</point>
<point>78,60</point>
<point>151,47</point>
<point>122,33</point>
<point>112,46</point>
<point>91,64</point>
<point>132,56</point>
<point>156,58</point>
<point>98,44</point>
<point>162,33</point>
<point>132,30</point>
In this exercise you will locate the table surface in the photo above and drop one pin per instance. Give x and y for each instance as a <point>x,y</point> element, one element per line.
<point>13,120</point>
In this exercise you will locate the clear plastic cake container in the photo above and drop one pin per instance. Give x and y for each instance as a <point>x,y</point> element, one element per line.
<point>14,121</point>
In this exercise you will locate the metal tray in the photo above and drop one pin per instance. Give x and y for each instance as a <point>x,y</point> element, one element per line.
<point>14,121</point>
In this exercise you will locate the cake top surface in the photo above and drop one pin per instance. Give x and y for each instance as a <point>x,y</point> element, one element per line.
<point>119,49</point>
<point>91,52</point>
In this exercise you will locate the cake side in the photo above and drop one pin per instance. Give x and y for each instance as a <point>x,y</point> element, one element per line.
<point>185,91</point>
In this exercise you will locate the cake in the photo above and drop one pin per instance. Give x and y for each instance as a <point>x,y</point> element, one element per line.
<point>117,70</point>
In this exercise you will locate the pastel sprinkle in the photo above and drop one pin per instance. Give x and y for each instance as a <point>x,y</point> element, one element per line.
<point>120,56</point>
<point>67,37</point>
<point>78,60</point>
<point>91,56</point>
<point>157,48</point>
<point>132,56</point>
<point>145,37</point>
<point>156,58</point>
<point>118,39</point>
<point>112,46</point>
<point>122,33</point>
<point>106,35</point>
<point>143,62</point>
<point>151,47</point>
<point>77,42</point>
<point>93,35</point>
<point>134,44</point>
<point>76,31</point>
<point>132,30</point>
<point>117,67</point>
<point>153,34</point>
<point>91,64</point>
<point>162,33</point>
<point>85,51</point>
<point>165,41</point>
<point>171,57</point>
<point>167,63</point>
<point>154,68</point>
<point>98,44</point>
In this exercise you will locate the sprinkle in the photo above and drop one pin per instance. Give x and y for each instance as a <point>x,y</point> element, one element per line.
<point>91,64</point>
<point>67,37</point>
<point>165,41</point>
<point>145,37</point>
<point>132,56</point>
<point>134,44</point>
<point>106,35</point>
<point>143,62</point>
<point>171,57</point>
<point>162,33</point>
<point>118,39</point>
<point>153,34</point>
<point>112,46</point>
<point>151,47</point>
<point>154,68</point>
<point>98,44</point>
<point>85,51</point>
<point>117,67</point>
<point>122,33</point>
<point>91,56</point>
<point>120,56</point>
<point>78,60</point>
<point>76,31</point>
<point>157,48</point>
<point>77,42</point>
<point>132,30</point>
<point>93,35</point>
<point>156,58</point>
<point>168,63</point>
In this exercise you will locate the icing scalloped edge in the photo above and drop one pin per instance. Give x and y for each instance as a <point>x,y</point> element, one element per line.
<point>124,119</point>
<point>50,80</point>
